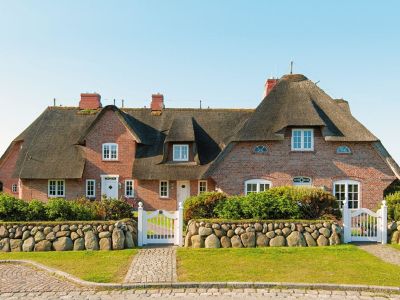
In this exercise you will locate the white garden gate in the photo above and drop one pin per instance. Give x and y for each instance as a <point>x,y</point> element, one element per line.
<point>364,225</point>
<point>160,226</point>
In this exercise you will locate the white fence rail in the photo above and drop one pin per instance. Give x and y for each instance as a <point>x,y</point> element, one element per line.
<point>364,225</point>
<point>160,226</point>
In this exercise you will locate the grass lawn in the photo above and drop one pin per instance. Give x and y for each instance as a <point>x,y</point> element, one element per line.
<point>335,264</point>
<point>396,246</point>
<point>96,266</point>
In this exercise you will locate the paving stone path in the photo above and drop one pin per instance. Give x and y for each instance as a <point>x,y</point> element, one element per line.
<point>18,278</point>
<point>384,252</point>
<point>153,265</point>
<point>211,293</point>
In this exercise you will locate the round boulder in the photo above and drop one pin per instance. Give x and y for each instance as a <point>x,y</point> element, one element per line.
<point>63,244</point>
<point>28,244</point>
<point>91,241</point>
<point>226,242</point>
<point>278,241</point>
<point>262,240</point>
<point>43,245</point>
<point>236,242</point>
<point>212,241</point>
<point>248,239</point>
<point>118,239</point>
<point>79,244</point>
<point>296,239</point>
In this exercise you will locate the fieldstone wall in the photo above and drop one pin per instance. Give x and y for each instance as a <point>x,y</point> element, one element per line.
<point>394,232</point>
<point>65,237</point>
<point>261,234</point>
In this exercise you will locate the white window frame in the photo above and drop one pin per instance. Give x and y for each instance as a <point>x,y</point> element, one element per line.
<point>199,185</point>
<point>14,188</point>
<point>131,181</point>
<point>109,145</point>
<point>94,188</point>
<point>167,195</point>
<point>346,182</point>
<point>302,131</point>
<point>258,182</point>
<point>302,183</point>
<point>343,147</point>
<point>57,195</point>
<point>180,146</point>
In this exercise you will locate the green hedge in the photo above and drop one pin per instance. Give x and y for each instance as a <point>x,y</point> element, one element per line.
<point>275,203</point>
<point>393,203</point>
<point>57,209</point>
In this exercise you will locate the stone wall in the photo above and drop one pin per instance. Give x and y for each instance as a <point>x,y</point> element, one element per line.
<point>261,234</point>
<point>53,236</point>
<point>394,232</point>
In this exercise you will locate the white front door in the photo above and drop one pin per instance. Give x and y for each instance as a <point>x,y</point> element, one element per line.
<point>109,186</point>
<point>183,190</point>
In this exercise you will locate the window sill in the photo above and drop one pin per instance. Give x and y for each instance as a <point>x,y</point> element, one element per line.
<point>303,151</point>
<point>110,160</point>
<point>48,196</point>
<point>164,198</point>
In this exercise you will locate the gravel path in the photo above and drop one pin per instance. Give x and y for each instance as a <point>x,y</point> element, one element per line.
<point>153,265</point>
<point>384,252</point>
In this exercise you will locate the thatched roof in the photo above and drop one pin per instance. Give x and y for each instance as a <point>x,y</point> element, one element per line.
<point>52,144</point>
<point>297,101</point>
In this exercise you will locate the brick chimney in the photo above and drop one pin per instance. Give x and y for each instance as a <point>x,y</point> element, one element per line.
<point>90,101</point>
<point>157,104</point>
<point>269,85</point>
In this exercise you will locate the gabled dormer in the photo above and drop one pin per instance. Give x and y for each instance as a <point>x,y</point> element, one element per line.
<point>180,145</point>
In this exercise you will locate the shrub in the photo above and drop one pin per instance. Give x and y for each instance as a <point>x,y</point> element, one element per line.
<point>36,211</point>
<point>116,209</point>
<point>230,208</point>
<point>59,210</point>
<point>393,203</point>
<point>202,206</point>
<point>275,203</point>
<point>82,210</point>
<point>12,209</point>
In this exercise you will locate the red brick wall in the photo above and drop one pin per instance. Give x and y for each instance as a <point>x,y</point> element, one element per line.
<point>38,189</point>
<point>109,129</point>
<point>7,170</point>
<point>323,165</point>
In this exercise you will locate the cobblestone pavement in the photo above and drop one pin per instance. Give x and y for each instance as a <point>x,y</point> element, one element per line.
<point>384,252</point>
<point>18,278</point>
<point>153,265</point>
<point>211,293</point>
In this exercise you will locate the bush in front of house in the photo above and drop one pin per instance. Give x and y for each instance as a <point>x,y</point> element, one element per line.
<point>201,206</point>
<point>393,203</point>
<point>275,203</point>
<point>58,209</point>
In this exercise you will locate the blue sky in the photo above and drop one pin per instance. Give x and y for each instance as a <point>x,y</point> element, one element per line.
<point>220,52</point>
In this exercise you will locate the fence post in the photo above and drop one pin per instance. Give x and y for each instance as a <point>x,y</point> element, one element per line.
<point>346,223</point>
<point>384,222</point>
<point>179,229</point>
<point>140,224</point>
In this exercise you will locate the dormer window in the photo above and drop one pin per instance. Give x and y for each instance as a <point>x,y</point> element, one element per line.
<point>302,139</point>
<point>180,153</point>
<point>343,150</point>
<point>110,151</point>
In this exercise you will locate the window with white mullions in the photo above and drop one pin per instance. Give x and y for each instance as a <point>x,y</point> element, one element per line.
<point>129,191</point>
<point>302,181</point>
<point>180,152</point>
<point>348,190</point>
<point>202,186</point>
<point>14,188</point>
<point>90,188</point>
<point>164,188</point>
<point>110,151</point>
<point>56,188</point>
<point>256,185</point>
<point>302,139</point>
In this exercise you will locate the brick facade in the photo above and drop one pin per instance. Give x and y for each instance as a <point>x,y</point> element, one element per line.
<point>7,170</point>
<point>323,165</point>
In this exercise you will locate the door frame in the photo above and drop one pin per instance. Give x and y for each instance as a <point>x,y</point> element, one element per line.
<point>178,184</point>
<point>102,184</point>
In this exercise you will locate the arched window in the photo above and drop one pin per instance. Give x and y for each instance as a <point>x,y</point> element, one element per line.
<point>260,149</point>
<point>302,181</point>
<point>256,186</point>
<point>347,190</point>
<point>343,150</point>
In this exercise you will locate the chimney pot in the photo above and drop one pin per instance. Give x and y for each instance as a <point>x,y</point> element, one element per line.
<point>90,101</point>
<point>269,85</point>
<point>157,104</point>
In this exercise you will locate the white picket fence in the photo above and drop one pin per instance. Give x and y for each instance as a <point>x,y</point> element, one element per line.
<point>160,226</point>
<point>364,225</point>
